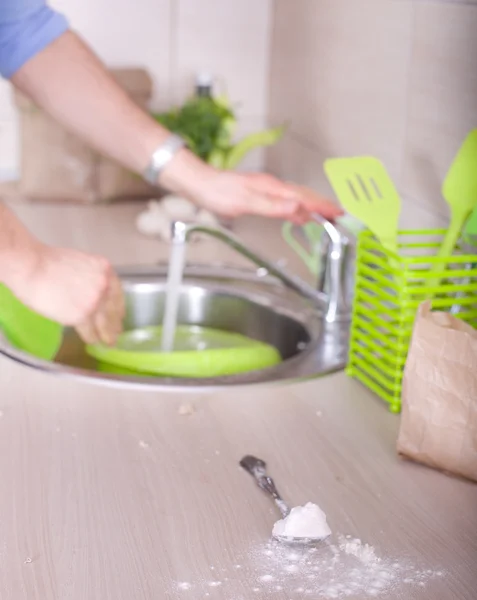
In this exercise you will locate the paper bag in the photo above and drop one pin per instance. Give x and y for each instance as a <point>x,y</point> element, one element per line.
<point>439,398</point>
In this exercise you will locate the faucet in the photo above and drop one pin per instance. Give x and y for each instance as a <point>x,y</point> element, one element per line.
<point>332,303</point>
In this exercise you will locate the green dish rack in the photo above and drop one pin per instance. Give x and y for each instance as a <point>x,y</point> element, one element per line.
<point>388,290</point>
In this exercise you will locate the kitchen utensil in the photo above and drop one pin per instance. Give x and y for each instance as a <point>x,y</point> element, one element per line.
<point>257,468</point>
<point>469,235</point>
<point>385,306</point>
<point>366,191</point>
<point>468,245</point>
<point>460,192</point>
<point>26,329</point>
<point>198,352</point>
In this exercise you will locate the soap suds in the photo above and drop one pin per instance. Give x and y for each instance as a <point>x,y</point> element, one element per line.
<point>307,521</point>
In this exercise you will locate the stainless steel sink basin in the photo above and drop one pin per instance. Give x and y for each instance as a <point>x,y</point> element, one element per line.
<point>244,301</point>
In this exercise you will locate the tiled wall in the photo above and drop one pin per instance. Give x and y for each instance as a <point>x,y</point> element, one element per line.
<point>172,39</point>
<point>392,78</point>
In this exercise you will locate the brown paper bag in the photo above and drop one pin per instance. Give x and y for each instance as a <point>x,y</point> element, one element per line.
<point>439,398</point>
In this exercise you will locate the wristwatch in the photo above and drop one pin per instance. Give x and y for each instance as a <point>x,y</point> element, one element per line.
<point>162,157</point>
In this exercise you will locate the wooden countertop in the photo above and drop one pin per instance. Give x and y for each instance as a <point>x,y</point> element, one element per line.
<point>114,494</point>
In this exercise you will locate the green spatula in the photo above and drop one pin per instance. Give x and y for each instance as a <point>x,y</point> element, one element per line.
<point>366,191</point>
<point>26,329</point>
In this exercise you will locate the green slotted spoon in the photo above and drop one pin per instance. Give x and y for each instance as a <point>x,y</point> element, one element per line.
<point>26,329</point>
<point>366,191</point>
<point>460,192</point>
<point>469,235</point>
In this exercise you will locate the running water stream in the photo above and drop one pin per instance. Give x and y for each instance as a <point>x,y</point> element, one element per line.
<point>174,282</point>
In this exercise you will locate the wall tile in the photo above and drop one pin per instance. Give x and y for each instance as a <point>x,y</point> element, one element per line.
<point>296,160</point>
<point>255,160</point>
<point>7,109</point>
<point>172,39</point>
<point>9,134</point>
<point>9,148</point>
<point>122,37</point>
<point>127,35</point>
<point>339,74</point>
<point>443,97</point>
<point>230,39</point>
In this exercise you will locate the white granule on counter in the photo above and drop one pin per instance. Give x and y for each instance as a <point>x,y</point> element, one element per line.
<point>363,552</point>
<point>347,569</point>
<point>307,521</point>
<point>184,586</point>
<point>186,410</point>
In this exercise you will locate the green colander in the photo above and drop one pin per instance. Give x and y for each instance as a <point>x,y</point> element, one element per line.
<point>26,329</point>
<point>199,352</point>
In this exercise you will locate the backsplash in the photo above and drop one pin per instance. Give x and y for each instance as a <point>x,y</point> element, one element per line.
<point>172,39</point>
<point>391,78</point>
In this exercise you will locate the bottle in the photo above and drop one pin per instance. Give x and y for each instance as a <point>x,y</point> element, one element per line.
<point>203,84</point>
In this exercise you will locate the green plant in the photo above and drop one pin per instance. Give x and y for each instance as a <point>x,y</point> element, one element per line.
<point>208,125</point>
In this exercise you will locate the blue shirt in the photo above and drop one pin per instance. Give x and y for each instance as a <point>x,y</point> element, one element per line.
<point>26,28</point>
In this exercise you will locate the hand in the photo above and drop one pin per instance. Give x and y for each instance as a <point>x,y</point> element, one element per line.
<point>231,194</point>
<point>76,289</point>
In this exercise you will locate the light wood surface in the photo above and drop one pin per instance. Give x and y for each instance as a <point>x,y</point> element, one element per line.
<point>115,495</point>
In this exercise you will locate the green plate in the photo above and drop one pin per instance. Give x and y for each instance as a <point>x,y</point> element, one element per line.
<point>199,352</point>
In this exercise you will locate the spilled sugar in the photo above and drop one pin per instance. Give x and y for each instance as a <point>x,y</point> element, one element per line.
<point>345,569</point>
<point>184,586</point>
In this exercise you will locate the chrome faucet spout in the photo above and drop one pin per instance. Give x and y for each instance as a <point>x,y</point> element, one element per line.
<point>181,232</point>
<point>335,249</point>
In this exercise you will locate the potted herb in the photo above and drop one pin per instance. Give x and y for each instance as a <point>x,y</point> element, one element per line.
<point>208,125</point>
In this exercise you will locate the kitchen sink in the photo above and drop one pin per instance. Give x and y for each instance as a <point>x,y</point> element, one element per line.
<point>245,301</point>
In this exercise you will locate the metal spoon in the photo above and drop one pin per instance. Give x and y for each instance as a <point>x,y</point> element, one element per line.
<point>257,468</point>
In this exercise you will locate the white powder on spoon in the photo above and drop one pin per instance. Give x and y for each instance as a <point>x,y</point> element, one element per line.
<point>307,521</point>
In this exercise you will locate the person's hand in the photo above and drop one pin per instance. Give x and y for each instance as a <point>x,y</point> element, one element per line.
<point>75,289</point>
<point>231,194</point>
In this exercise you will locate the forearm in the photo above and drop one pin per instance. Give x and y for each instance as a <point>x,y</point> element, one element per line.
<point>70,83</point>
<point>18,249</point>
